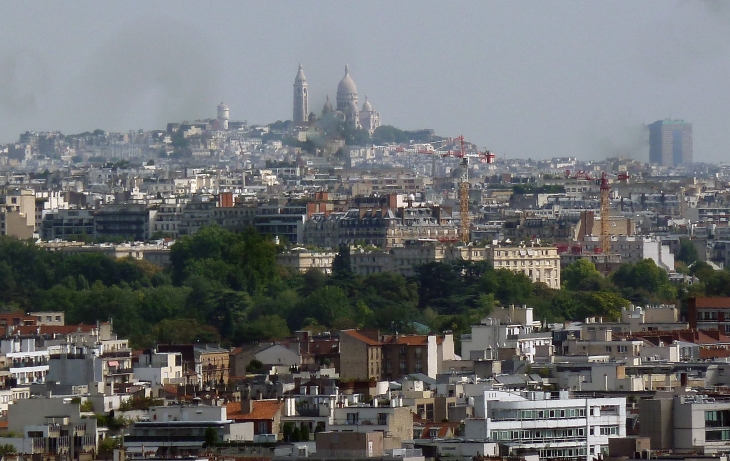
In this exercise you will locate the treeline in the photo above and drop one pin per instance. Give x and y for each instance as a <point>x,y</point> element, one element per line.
<point>226,287</point>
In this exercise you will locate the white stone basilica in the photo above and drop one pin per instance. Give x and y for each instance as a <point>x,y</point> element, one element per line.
<point>366,118</point>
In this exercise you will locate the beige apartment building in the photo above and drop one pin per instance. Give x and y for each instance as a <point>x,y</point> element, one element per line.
<point>17,213</point>
<point>540,264</point>
<point>301,260</point>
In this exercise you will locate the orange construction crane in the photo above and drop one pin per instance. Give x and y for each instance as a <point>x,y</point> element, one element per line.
<point>463,187</point>
<point>484,157</point>
<point>605,211</point>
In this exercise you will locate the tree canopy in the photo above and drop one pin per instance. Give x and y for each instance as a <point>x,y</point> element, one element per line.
<point>226,287</point>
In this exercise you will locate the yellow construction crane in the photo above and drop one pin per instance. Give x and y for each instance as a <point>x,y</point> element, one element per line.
<point>485,157</point>
<point>463,189</point>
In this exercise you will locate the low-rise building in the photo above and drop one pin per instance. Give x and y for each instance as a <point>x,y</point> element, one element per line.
<point>181,429</point>
<point>159,368</point>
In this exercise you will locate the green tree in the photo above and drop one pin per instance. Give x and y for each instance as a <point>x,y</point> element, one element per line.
<point>267,327</point>
<point>326,305</point>
<point>341,264</point>
<point>211,437</point>
<point>184,331</point>
<point>109,444</point>
<point>305,432</point>
<point>687,252</point>
<point>577,272</point>
<point>241,261</point>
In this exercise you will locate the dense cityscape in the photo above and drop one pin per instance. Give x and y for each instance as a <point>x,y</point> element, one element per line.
<point>333,287</point>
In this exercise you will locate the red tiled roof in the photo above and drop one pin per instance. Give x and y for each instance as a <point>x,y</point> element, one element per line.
<point>411,340</point>
<point>169,389</point>
<point>717,303</point>
<point>263,410</point>
<point>443,430</point>
<point>712,353</point>
<point>361,337</point>
<point>699,337</point>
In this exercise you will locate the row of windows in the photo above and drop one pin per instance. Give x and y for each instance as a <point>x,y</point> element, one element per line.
<point>542,414</point>
<point>717,418</point>
<point>717,435</point>
<point>707,315</point>
<point>522,263</point>
<point>539,434</point>
<point>523,253</point>
<point>562,452</point>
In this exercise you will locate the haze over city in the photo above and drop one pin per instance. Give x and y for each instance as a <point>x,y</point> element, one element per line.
<point>524,79</point>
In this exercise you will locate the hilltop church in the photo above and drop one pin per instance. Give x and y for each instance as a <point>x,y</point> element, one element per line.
<point>366,118</point>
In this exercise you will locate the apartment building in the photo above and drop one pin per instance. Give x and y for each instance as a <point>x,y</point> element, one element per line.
<point>366,354</point>
<point>207,209</point>
<point>360,355</point>
<point>661,317</point>
<point>126,221</point>
<point>510,330</point>
<point>410,354</point>
<point>383,222</point>
<point>540,264</point>
<point>709,314</point>
<point>404,260</point>
<point>51,426</point>
<point>181,429</point>
<point>168,218</point>
<point>562,427</point>
<point>635,248</point>
<point>395,421</point>
<point>67,224</point>
<point>281,220</point>
<point>159,368</point>
<point>693,422</point>
<point>301,260</point>
<point>17,213</point>
<point>597,341</point>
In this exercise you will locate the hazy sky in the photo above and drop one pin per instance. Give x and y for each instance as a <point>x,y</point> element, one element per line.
<point>522,78</point>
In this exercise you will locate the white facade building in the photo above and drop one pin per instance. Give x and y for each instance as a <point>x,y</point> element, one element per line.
<point>565,427</point>
<point>160,368</point>
<point>508,328</point>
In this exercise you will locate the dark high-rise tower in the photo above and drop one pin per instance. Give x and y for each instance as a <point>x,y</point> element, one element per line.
<point>670,143</point>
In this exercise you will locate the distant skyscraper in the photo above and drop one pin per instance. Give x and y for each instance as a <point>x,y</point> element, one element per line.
<point>670,143</point>
<point>301,98</point>
<point>223,116</point>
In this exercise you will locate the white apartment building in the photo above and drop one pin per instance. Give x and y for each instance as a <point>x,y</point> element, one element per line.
<point>701,422</point>
<point>160,368</point>
<point>564,427</point>
<point>26,364</point>
<point>507,328</point>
